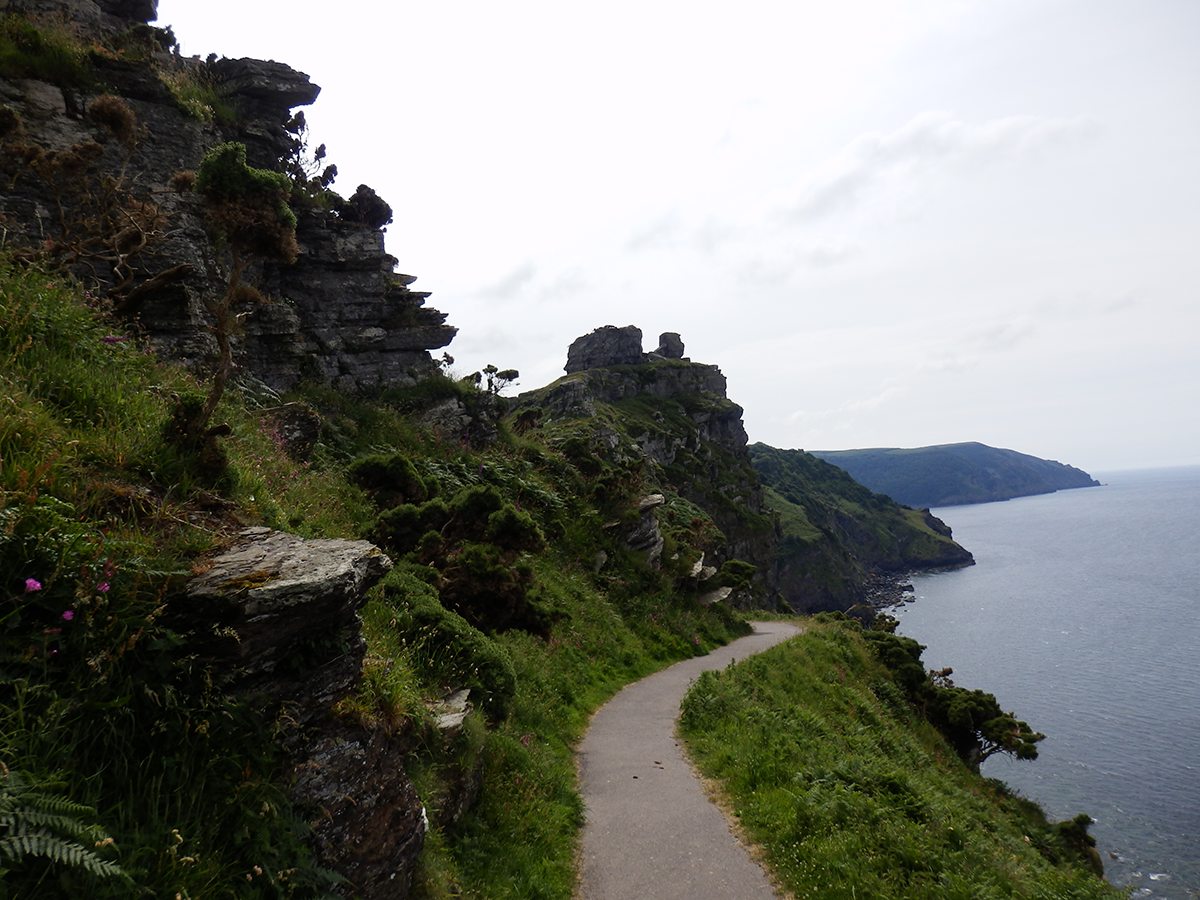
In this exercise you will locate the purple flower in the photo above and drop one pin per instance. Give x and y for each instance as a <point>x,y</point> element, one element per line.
<point>102,587</point>
<point>114,339</point>
<point>32,584</point>
<point>69,615</point>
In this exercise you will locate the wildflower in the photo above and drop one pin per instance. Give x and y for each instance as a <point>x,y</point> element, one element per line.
<point>696,640</point>
<point>68,615</point>
<point>114,339</point>
<point>32,584</point>
<point>102,587</point>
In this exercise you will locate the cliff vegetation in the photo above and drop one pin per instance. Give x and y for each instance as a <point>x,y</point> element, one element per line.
<point>830,759</point>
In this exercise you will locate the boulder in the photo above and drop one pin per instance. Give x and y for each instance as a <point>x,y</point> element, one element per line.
<point>607,346</point>
<point>278,616</point>
<point>670,345</point>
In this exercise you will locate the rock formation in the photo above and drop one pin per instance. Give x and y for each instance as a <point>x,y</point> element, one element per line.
<point>696,443</point>
<point>613,346</point>
<point>339,315</point>
<point>277,615</point>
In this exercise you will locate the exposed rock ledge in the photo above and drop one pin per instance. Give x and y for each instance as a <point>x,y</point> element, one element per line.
<point>278,616</point>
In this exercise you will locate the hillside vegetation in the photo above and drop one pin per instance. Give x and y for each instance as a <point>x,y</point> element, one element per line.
<point>836,534</point>
<point>954,474</point>
<point>127,773</point>
<point>831,762</point>
<point>185,354</point>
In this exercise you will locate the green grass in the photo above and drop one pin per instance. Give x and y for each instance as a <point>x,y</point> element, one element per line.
<point>852,794</point>
<point>107,719</point>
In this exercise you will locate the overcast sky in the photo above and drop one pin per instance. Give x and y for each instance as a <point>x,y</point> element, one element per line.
<point>890,222</point>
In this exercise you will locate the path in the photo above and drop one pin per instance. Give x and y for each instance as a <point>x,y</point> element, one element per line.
<point>651,833</point>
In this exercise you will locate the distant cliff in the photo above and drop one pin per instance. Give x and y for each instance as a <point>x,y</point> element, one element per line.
<point>954,474</point>
<point>819,541</point>
<point>837,537</point>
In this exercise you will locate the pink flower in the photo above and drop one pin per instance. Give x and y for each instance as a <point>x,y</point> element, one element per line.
<point>32,584</point>
<point>69,615</point>
<point>102,587</point>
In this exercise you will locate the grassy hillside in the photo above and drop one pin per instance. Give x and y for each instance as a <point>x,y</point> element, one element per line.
<point>835,533</point>
<point>953,474</point>
<point>127,772</point>
<point>830,765</point>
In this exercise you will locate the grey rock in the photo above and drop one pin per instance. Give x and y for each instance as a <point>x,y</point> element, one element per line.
<point>607,346</point>
<point>295,425</point>
<point>266,81</point>
<point>278,614</point>
<point>645,536</point>
<point>368,823</point>
<point>670,345</point>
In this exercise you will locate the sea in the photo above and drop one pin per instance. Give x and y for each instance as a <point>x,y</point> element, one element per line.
<point>1082,616</point>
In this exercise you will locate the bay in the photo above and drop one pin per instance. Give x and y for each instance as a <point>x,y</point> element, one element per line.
<point>1082,615</point>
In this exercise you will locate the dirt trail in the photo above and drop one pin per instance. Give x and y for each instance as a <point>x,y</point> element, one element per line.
<point>651,833</point>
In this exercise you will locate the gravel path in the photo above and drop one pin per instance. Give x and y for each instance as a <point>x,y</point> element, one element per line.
<point>651,833</point>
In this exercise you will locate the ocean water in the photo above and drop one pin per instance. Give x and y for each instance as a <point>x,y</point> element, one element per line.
<point>1082,615</point>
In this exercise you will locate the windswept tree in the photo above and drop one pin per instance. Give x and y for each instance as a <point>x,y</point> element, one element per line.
<point>249,212</point>
<point>971,720</point>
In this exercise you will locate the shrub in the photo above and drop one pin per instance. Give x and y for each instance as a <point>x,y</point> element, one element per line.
<point>452,650</point>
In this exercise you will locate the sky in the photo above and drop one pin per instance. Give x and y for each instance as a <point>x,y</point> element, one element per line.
<point>891,223</point>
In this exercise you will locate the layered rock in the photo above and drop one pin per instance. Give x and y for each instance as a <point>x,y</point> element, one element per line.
<point>613,346</point>
<point>693,441</point>
<point>339,315</point>
<point>277,615</point>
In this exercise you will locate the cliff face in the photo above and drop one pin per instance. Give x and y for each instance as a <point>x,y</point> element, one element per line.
<point>819,540</point>
<point>837,535</point>
<point>672,416</point>
<point>338,315</point>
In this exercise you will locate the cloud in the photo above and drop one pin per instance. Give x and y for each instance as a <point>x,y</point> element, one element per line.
<point>930,142</point>
<point>523,283</point>
<point>768,272</point>
<point>666,233</point>
<point>511,285</point>
<point>568,284</point>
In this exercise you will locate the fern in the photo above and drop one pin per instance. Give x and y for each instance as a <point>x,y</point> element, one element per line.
<point>35,823</point>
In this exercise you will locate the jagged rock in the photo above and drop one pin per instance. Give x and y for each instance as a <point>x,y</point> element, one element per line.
<point>607,346</point>
<point>454,421</point>
<point>716,596</point>
<point>265,81</point>
<point>670,346</point>
<point>341,317</point>
<point>137,10</point>
<point>645,536</point>
<point>278,615</point>
<point>280,620</point>
<point>368,823</point>
<point>450,712</point>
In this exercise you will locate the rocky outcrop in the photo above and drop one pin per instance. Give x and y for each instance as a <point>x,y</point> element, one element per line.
<point>645,536</point>
<point>277,615</point>
<point>340,314</point>
<point>613,346</point>
<point>691,437</point>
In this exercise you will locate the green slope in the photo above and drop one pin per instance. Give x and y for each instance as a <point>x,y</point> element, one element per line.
<point>954,474</point>
<point>835,533</point>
